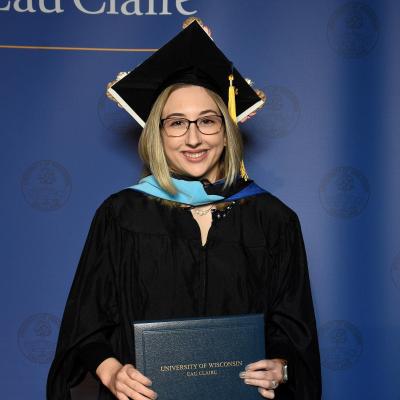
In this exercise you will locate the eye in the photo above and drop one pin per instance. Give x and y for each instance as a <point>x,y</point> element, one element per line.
<point>208,121</point>
<point>175,123</point>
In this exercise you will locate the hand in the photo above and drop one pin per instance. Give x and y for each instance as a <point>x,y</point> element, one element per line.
<point>125,381</point>
<point>266,374</point>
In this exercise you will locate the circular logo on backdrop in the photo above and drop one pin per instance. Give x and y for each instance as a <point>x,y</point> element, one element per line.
<point>46,185</point>
<point>353,29</point>
<point>281,112</point>
<point>37,337</point>
<point>395,271</point>
<point>113,118</point>
<point>340,343</point>
<point>344,192</point>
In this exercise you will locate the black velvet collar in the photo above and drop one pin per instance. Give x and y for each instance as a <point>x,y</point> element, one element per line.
<point>216,188</point>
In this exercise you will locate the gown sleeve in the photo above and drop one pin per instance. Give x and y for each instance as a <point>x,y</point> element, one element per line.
<point>291,331</point>
<point>90,317</point>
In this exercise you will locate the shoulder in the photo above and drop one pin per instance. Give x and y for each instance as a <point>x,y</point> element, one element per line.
<point>267,215</point>
<point>133,210</point>
<point>271,208</point>
<point>127,200</point>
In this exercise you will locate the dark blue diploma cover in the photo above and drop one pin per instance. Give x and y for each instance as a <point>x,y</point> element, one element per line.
<point>200,358</point>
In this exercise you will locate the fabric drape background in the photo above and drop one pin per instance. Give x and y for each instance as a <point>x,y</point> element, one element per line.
<point>327,143</point>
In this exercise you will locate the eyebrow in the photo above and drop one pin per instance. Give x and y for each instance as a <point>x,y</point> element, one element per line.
<point>183,115</point>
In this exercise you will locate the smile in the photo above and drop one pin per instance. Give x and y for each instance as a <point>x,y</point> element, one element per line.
<point>195,156</point>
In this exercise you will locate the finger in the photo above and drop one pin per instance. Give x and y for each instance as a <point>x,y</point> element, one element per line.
<point>124,381</point>
<point>136,375</point>
<point>142,389</point>
<point>269,394</point>
<point>132,393</point>
<point>259,374</point>
<point>272,374</point>
<point>266,384</point>
<point>121,396</point>
<point>262,364</point>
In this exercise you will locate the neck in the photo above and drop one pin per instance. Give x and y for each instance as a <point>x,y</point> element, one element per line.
<point>211,179</point>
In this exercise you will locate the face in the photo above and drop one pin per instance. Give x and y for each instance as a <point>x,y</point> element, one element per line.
<point>194,153</point>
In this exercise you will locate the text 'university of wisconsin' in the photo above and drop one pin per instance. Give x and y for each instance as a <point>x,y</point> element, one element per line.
<point>194,366</point>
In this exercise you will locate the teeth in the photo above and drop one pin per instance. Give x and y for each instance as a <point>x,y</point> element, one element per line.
<point>194,155</point>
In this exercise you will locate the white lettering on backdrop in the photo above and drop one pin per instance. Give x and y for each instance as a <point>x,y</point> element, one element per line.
<point>114,7</point>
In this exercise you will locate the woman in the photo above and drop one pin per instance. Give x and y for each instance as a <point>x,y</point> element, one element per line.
<point>193,238</point>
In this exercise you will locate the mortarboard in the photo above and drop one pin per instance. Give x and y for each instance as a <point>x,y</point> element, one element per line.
<point>190,57</point>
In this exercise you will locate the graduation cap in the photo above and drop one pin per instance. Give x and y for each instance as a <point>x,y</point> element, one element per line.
<point>190,57</point>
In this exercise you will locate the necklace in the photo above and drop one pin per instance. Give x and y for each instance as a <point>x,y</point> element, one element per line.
<point>202,212</point>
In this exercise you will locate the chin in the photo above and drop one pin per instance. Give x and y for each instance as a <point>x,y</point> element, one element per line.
<point>193,171</point>
<point>201,170</point>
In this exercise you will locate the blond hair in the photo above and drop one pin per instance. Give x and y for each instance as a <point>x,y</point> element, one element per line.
<point>151,149</point>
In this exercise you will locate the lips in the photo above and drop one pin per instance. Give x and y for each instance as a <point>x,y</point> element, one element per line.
<point>195,156</point>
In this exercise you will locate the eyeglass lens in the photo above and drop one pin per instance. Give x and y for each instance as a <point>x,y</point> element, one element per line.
<point>208,125</point>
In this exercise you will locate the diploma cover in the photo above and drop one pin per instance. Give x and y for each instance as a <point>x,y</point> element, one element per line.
<point>200,358</point>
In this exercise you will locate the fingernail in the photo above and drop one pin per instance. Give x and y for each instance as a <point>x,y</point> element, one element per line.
<point>246,381</point>
<point>247,367</point>
<point>242,374</point>
<point>155,395</point>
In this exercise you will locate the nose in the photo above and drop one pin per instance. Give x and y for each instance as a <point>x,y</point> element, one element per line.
<point>193,136</point>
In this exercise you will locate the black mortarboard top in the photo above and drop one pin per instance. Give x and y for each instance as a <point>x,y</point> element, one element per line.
<point>190,57</point>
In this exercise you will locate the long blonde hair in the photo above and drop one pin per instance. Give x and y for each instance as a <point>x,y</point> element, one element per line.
<point>151,149</point>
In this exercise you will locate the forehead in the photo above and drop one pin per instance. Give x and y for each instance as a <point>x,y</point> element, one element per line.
<point>188,100</point>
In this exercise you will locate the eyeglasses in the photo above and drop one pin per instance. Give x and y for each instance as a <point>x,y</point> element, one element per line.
<point>207,125</point>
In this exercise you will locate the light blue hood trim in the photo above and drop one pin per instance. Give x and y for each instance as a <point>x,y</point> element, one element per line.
<point>189,192</point>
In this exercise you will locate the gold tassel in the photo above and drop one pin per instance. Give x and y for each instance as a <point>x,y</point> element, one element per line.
<point>231,99</point>
<point>232,113</point>
<point>243,172</point>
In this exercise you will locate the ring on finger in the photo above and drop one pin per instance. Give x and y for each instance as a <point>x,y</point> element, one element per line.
<point>274,384</point>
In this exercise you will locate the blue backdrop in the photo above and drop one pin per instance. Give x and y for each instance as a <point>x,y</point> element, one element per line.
<point>327,144</point>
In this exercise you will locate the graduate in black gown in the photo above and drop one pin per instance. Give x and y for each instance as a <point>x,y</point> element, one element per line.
<point>195,237</point>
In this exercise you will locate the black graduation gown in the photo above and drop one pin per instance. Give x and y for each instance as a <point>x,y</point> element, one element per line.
<point>144,260</point>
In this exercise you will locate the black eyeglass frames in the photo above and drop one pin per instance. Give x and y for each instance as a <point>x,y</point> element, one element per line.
<point>207,125</point>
